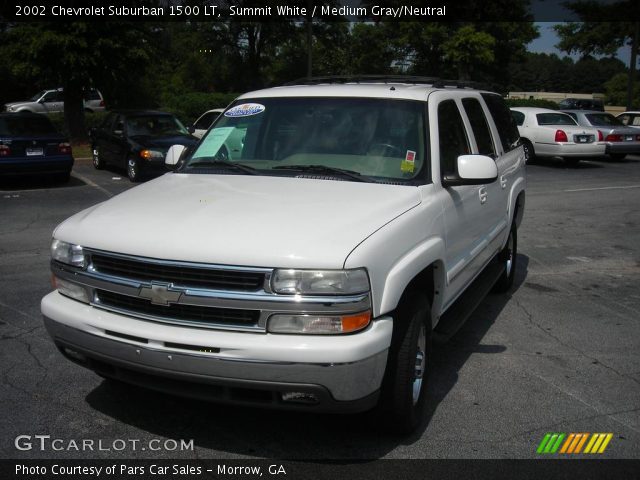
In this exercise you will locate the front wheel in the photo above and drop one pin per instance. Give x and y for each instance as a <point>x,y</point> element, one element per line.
<point>133,170</point>
<point>508,257</point>
<point>403,397</point>
<point>98,161</point>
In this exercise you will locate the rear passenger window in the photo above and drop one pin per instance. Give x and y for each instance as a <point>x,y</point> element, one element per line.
<point>452,136</point>
<point>479,126</point>
<point>507,128</point>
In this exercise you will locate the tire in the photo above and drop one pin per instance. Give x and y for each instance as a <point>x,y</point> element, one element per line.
<point>133,170</point>
<point>98,162</point>
<point>617,157</point>
<point>508,256</point>
<point>401,408</point>
<point>529,152</point>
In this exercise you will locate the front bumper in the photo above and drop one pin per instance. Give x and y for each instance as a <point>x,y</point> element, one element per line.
<point>343,373</point>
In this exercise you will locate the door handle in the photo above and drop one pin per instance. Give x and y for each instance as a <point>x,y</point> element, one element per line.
<point>503,181</point>
<point>482,193</point>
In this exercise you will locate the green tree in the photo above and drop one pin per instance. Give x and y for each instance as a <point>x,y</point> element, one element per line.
<point>467,48</point>
<point>616,90</point>
<point>76,56</point>
<point>600,33</point>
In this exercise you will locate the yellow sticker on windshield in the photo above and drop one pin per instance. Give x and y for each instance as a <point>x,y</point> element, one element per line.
<point>409,162</point>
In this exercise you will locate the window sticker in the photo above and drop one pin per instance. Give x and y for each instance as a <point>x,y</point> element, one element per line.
<point>409,163</point>
<point>245,110</point>
<point>212,142</point>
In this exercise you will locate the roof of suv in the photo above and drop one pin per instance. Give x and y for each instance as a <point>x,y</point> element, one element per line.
<point>406,91</point>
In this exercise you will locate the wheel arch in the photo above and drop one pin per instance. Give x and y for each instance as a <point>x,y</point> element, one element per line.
<point>421,270</point>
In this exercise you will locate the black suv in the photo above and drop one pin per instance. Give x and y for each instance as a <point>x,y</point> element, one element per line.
<point>581,104</point>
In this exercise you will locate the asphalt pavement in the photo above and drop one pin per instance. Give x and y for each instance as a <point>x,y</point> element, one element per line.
<point>559,354</point>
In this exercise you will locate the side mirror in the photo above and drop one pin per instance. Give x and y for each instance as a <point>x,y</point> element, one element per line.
<point>472,170</point>
<point>173,155</point>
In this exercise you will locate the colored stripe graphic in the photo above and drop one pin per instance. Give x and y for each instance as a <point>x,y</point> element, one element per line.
<point>572,443</point>
<point>551,442</point>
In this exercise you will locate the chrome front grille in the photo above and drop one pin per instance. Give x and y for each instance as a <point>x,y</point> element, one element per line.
<point>194,314</point>
<point>194,294</point>
<point>178,274</point>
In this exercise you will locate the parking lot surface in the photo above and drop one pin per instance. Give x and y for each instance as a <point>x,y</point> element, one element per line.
<point>559,354</point>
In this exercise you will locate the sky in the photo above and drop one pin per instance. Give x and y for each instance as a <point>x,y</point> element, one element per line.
<point>548,39</point>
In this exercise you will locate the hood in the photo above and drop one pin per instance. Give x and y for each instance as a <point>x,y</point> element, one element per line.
<point>19,104</point>
<point>240,220</point>
<point>164,143</point>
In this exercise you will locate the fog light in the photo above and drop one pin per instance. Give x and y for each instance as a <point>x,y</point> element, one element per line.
<point>299,397</point>
<point>77,356</point>
<point>70,289</point>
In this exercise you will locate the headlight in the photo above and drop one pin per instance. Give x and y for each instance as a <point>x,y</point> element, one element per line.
<point>318,324</point>
<point>320,282</point>
<point>151,154</point>
<point>68,253</point>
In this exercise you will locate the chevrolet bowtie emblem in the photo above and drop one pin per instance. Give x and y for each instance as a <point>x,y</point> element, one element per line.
<point>160,294</point>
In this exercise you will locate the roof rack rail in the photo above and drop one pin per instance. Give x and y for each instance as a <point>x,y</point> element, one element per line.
<point>435,82</point>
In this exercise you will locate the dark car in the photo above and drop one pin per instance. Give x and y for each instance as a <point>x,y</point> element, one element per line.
<point>581,104</point>
<point>137,140</point>
<point>30,145</point>
<point>620,140</point>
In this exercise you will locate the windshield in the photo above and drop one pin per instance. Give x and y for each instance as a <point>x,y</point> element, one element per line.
<point>155,126</point>
<point>555,119</point>
<point>37,96</point>
<point>603,120</point>
<point>374,138</point>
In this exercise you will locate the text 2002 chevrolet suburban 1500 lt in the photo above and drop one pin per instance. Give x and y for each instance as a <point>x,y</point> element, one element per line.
<point>304,254</point>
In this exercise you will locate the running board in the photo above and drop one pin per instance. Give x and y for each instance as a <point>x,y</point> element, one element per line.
<point>463,307</point>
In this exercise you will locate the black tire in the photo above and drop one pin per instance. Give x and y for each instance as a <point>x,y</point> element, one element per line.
<point>617,157</point>
<point>529,152</point>
<point>401,408</point>
<point>133,170</point>
<point>508,256</point>
<point>98,162</point>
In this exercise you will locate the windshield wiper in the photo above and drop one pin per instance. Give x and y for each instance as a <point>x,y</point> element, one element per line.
<point>223,163</point>
<point>353,175</point>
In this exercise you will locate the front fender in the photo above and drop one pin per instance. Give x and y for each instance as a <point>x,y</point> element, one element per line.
<point>399,251</point>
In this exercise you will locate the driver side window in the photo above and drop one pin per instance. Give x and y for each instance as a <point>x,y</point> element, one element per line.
<point>452,136</point>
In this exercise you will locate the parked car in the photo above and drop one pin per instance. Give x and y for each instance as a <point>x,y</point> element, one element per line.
<point>549,133</point>
<point>138,141</point>
<point>359,221</point>
<point>30,145</point>
<point>630,119</point>
<point>202,124</point>
<point>581,104</point>
<point>52,101</point>
<point>619,139</point>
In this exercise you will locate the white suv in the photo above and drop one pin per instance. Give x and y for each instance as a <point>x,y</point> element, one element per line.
<point>52,101</point>
<point>359,221</point>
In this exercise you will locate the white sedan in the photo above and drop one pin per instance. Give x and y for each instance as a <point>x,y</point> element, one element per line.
<point>549,133</point>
